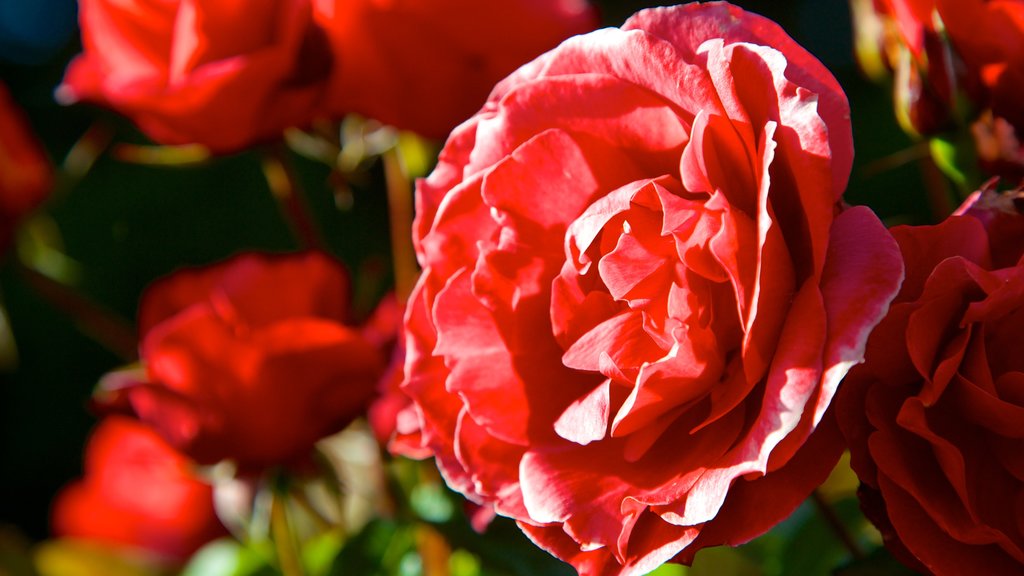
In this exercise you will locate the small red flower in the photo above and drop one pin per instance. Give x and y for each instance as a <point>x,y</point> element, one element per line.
<point>427,65</point>
<point>137,493</point>
<point>250,360</point>
<point>223,73</point>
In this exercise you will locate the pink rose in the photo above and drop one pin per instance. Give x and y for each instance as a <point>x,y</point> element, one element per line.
<point>641,288</point>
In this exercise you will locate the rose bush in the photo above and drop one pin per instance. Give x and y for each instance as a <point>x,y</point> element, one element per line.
<point>426,65</point>
<point>223,73</point>
<point>641,288</point>
<point>935,416</point>
<point>26,177</point>
<point>137,493</point>
<point>250,360</point>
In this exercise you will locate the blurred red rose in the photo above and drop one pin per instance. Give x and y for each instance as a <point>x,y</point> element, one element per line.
<point>222,73</point>
<point>935,417</point>
<point>427,65</point>
<point>137,492</point>
<point>26,176</point>
<point>640,289</point>
<point>962,47</point>
<point>250,360</point>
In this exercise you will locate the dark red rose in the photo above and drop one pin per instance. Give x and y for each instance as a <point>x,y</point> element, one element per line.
<point>222,73</point>
<point>137,493</point>
<point>251,360</point>
<point>935,416</point>
<point>641,288</point>
<point>26,177</point>
<point>427,65</point>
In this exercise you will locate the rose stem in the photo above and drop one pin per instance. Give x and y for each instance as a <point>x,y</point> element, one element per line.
<point>83,156</point>
<point>300,497</point>
<point>284,538</point>
<point>287,191</point>
<point>434,550</point>
<point>400,219</point>
<point>109,329</point>
<point>836,525</point>
<point>941,200</point>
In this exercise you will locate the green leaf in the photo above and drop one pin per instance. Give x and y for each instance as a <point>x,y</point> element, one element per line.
<point>227,557</point>
<point>377,550</point>
<point>878,563</point>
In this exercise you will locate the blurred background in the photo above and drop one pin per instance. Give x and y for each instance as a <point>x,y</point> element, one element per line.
<point>126,223</point>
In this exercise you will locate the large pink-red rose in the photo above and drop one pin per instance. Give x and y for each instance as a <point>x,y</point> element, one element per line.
<point>137,493</point>
<point>935,417</point>
<point>251,360</point>
<point>222,73</point>
<point>641,288</point>
<point>26,176</point>
<point>427,65</point>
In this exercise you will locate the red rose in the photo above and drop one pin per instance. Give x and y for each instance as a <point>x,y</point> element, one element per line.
<point>26,176</point>
<point>989,36</point>
<point>139,493</point>
<point>222,73</point>
<point>640,289</point>
<point>957,48</point>
<point>427,65</point>
<point>250,359</point>
<point>935,417</point>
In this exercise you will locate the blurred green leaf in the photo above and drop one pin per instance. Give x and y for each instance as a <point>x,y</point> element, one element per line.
<point>431,502</point>
<point>724,561</point>
<point>670,570</point>
<point>227,557</point>
<point>878,563</point>
<point>377,550</point>
<point>463,563</point>
<point>319,552</point>
<point>956,157</point>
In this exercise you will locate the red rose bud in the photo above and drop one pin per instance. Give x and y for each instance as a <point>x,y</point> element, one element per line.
<point>223,74</point>
<point>26,177</point>
<point>935,416</point>
<point>909,39</point>
<point>427,65</point>
<point>250,360</point>
<point>137,493</point>
<point>641,288</point>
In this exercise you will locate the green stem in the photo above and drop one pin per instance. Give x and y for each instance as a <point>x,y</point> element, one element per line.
<point>285,540</point>
<point>291,200</point>
<point>113,332</point>
<point>837,526</point>
<point>400,207</point>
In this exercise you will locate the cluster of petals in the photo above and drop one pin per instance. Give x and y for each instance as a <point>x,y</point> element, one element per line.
<point>250,360</point>
<point>935,416</point>
<point>641,289</point>
<point>230,73</point>
<point>137,493</point>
